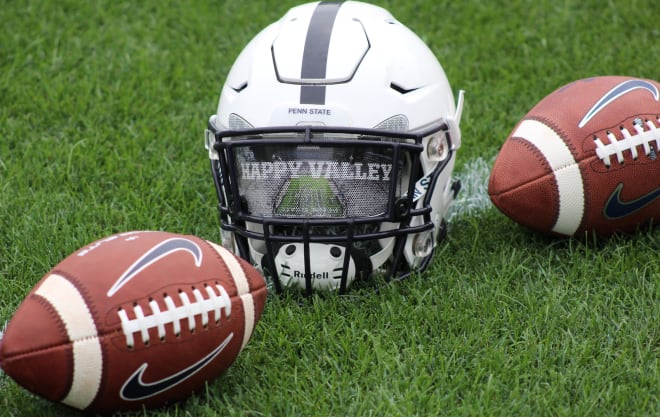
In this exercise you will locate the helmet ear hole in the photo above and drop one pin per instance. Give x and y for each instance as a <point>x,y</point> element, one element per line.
<point>437,147</point>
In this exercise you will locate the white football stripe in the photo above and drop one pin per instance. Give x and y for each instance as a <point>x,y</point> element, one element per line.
<point>248,307</point>
<point>242,287</point>
<point>88,366</point>
<point>79,323</point>
<point>566,170</point>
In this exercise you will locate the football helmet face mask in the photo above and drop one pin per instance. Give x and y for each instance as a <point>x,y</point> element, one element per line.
<point>332,148</point>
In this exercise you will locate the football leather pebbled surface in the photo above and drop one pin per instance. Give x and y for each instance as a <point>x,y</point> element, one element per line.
<point>584,159</point>
<point>135,319</point>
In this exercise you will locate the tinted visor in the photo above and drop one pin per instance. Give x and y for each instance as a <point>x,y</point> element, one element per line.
<point>318,180</point>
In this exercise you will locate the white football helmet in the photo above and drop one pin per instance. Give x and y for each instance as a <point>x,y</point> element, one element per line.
<point>332,148</point>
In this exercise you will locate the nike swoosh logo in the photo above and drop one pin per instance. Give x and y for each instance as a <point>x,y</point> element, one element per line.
<point>617,209</point>
<point>615,93</point>
<point>135,389</point>
<point>155,254</point>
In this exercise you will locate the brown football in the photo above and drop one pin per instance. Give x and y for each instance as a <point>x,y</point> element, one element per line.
<point>134,320</point>
<point>584,159</point>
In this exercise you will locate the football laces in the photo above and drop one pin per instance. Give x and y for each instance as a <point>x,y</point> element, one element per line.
<point>649,140</point>
<point>187,311</point>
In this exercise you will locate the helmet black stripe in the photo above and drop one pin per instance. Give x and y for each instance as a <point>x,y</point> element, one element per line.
<point>315,55</point>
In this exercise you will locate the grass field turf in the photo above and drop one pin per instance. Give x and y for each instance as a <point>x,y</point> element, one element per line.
<point>311,196</point>
<point>102,109</point>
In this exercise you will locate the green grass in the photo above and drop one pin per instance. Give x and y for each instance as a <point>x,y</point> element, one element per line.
<point>102,112</point>
<point>310,196</point>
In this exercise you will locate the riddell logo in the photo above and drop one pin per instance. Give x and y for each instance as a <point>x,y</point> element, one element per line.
<point>314,275</point>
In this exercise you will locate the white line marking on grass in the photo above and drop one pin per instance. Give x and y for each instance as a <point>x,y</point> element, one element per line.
<point>473,198</point>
